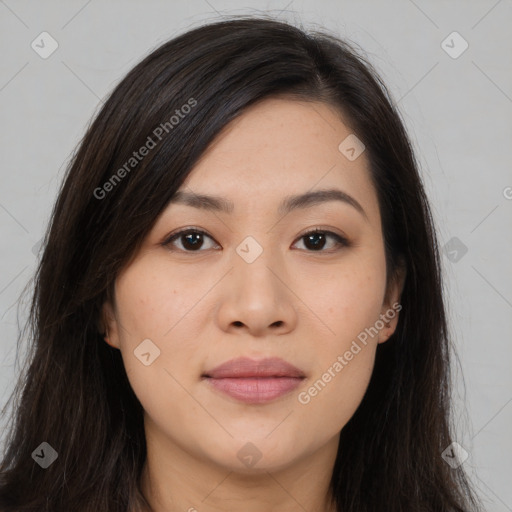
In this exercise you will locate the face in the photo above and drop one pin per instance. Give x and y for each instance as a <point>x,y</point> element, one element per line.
<point>255,281</point>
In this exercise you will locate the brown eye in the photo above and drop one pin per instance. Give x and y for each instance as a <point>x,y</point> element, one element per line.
<point>191,240</point>
<point>315,241</point>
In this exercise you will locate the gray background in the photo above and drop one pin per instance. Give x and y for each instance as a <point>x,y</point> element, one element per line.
<point>457,111</point>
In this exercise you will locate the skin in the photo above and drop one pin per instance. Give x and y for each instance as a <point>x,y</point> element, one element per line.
<point>204,307</point>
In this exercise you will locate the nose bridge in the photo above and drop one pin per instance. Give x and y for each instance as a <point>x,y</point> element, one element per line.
<point>255,297</point>
<point>255,265</point>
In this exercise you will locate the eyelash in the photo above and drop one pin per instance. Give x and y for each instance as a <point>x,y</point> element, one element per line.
<point>341,241</point>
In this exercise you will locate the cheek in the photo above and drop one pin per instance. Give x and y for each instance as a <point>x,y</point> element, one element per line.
<point>153,300</point>
<point>348,303</point>
<point>344,300</point>
<point>340,376</point>
<point>333,396</point>
<point>151,306</point>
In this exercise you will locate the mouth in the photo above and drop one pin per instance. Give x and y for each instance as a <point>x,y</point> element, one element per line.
<point>254,382</point>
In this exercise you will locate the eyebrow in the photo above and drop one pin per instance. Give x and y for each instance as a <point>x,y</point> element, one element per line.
<point>289,203</point>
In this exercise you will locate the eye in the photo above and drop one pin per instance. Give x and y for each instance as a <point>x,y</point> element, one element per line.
<point>316,240</point>
<point>192,240</point>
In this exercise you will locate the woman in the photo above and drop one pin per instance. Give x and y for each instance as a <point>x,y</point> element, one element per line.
<point>239,305</point>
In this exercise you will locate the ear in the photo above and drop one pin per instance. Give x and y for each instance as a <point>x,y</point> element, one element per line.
<point>109,327</point>
<point>391,305</point>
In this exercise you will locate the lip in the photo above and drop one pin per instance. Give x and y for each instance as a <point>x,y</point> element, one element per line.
<point>255,381</point>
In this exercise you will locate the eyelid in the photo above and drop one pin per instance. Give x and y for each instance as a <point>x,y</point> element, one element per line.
<point>327,230</point>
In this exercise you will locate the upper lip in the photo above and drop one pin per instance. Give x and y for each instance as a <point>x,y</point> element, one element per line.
<point>244,367</point>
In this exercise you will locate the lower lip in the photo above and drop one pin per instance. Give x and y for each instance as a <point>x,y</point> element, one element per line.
<point>255,390</point>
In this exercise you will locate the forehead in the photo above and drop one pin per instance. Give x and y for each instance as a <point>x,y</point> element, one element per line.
<point>281,147</point>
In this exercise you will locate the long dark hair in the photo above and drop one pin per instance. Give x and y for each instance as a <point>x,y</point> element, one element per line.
<point>74,393</point>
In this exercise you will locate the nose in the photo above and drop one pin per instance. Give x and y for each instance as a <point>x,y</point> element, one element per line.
<point>256,297</point>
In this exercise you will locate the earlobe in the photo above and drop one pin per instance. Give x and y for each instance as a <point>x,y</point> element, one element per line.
<point>108,327</point>
<point>385,334</point>
<point>106,338</point>
<point>391,307</point>
<point>397,283</point>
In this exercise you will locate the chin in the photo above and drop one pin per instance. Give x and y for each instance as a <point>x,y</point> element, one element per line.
<point>254,457</point>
